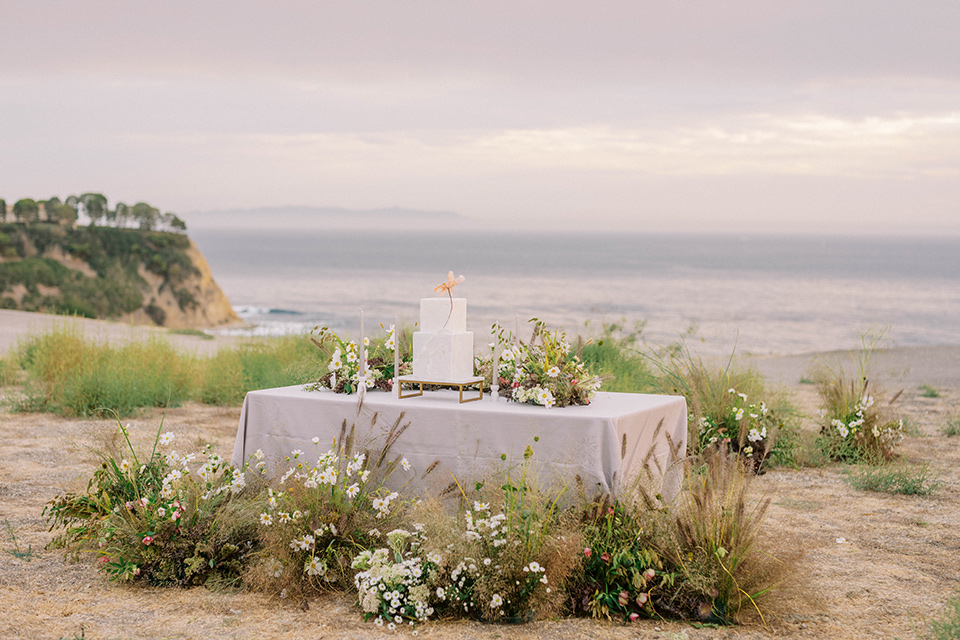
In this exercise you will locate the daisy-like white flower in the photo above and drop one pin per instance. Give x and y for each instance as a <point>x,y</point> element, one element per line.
<point>352,356</point>
<point>315,440</point>
<point>405,464</point>
<point>266,519</point>
<point>314,567</point>
<point>166,438</point>
<point>124,465</point>
<point>259,454</point>
<point>481,506</point>
<point>283,517</point>
<point>496,601</point>
<point>353,490</point>
<point>553,371</point>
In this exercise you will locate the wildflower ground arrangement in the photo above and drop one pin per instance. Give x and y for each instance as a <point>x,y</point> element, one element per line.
<point>342,519</point>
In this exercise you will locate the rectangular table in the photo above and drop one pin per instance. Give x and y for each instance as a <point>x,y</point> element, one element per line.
<point>606,443</point>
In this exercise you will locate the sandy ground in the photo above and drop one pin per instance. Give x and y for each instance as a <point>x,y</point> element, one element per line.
<point>899,563</point>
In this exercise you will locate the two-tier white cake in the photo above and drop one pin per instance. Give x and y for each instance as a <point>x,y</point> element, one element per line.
<point>443,348</point>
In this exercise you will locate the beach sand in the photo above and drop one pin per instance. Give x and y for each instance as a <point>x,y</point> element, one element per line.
<point>899,562</point>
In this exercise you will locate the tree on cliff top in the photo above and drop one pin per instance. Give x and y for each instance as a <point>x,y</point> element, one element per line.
<point>26,210</point>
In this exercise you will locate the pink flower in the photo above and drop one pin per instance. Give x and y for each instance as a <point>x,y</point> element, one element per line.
<point>148,540</point>
<point>129,506</point>
<point>623,598</point>
<point>634,616</point>
<point>144,502</point>
<point>610,510</point>
<point>605,557</point>
<point>103,559</point>
<point>574,382</point>
<point>175,516</point>
<point>136,571</point>
<point>649,573</point>
<point>587,551</point>
<point>642,599</point>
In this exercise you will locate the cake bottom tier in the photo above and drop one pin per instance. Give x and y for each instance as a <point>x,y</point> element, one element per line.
<point>443,356</point>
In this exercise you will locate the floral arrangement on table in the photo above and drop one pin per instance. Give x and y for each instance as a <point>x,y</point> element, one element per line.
<point>544,371</point>
<point>343,368</point>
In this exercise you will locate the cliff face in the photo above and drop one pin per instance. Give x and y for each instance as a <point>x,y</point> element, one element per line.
<point>120,274</point>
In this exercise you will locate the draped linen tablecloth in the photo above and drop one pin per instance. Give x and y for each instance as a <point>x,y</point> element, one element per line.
<point>602,445</point>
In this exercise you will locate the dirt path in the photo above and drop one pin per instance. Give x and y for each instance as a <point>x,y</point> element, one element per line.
<point>899,562</point>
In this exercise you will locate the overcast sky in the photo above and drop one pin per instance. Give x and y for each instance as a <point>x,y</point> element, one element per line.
<point>818,116</point>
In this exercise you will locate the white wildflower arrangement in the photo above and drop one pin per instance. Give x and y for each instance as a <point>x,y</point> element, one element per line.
<point>320,512</point>
<point>864,432</point>
<point>544,371</point>
<point>744,427</point>
<point>342,369</point>
<point>393,584</point>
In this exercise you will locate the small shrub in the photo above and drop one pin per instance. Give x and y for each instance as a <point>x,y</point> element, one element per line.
<point>926,391</point>
<point>619,569</point>
<point>952,427</point>
<point>913,480</point>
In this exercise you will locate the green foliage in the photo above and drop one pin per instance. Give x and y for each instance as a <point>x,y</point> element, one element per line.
<point>231,373</point>
<point>619,571</point>
<point>21,554</point>
<point>70,376</point>
<point>151,517</point>
<point>116,255</point>
<point>615,357</point>
<point>952,427</point>
<point>926,391</point>
<point>911,480</point>
<point>946,626</point>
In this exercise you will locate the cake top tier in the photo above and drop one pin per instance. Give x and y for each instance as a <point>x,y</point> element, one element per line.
<point>436,314</point>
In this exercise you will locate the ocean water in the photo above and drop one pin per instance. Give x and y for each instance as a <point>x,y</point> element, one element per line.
<point>758,294</point>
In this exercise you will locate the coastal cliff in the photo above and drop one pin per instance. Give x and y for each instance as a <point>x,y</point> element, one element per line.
<point>144,277</point>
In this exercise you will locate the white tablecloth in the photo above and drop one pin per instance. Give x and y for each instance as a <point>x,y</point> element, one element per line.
<point>605,443</point>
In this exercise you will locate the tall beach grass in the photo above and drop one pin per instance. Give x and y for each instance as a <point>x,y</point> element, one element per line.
<point>68,374</point>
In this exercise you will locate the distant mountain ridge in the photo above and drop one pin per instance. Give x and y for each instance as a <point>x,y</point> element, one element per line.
<point>293,216</point>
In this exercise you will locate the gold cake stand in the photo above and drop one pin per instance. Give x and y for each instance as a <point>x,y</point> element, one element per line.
<point>460,384</point>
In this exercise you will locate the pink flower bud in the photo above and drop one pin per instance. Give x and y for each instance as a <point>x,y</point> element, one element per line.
<point>634,616</point>
<point>147,540</point>
<point>648,574</point>
<point>605,557</point>
<point>587,552</point>
<point>642,599</point>
<point>623,598</point>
